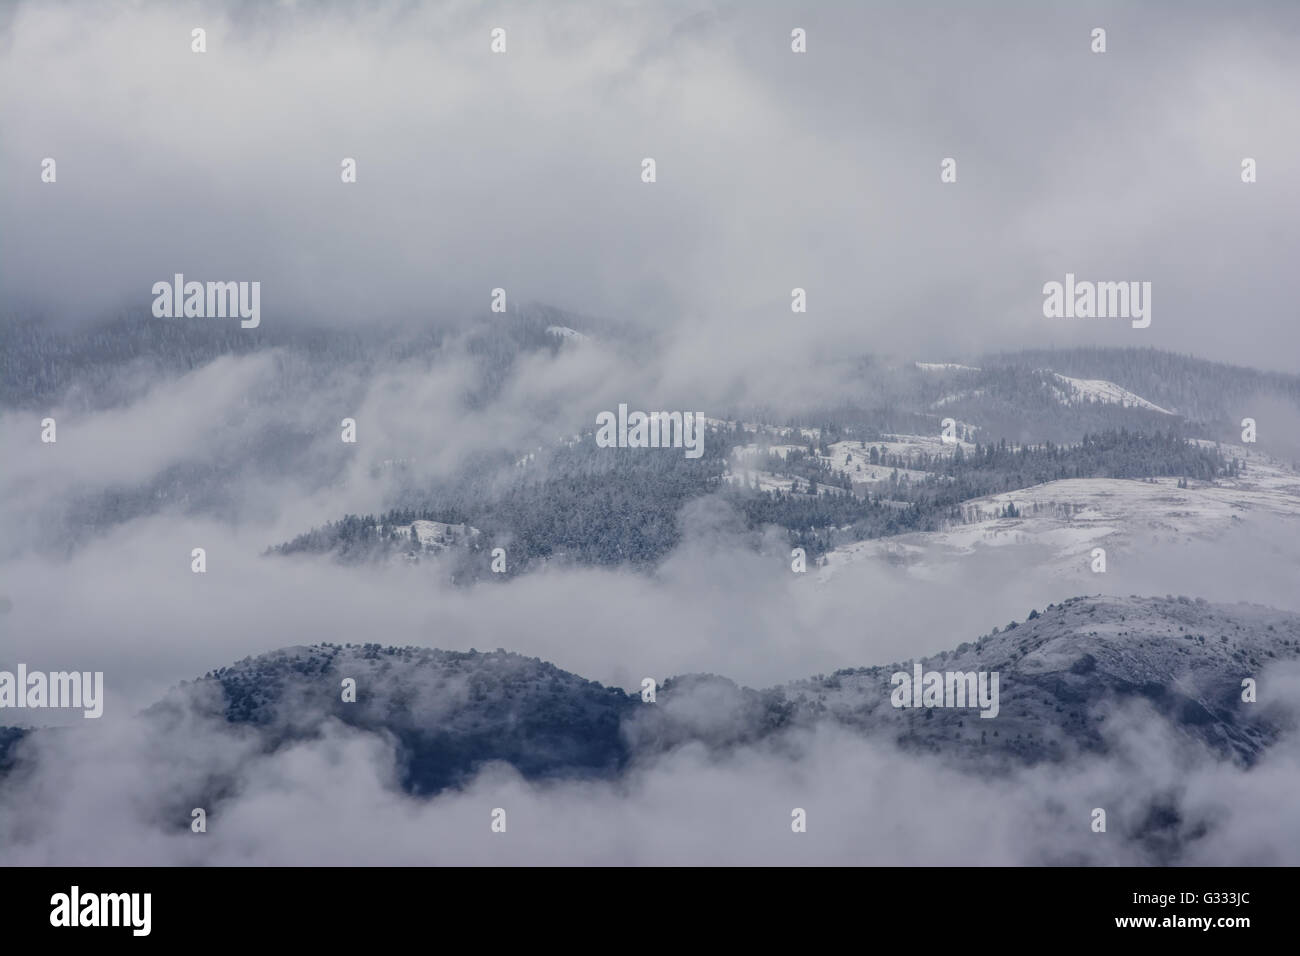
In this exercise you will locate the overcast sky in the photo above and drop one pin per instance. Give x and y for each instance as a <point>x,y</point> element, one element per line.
<point>775,169</point>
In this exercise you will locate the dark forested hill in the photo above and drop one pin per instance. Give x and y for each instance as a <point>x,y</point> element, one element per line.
<point>1065,673</point>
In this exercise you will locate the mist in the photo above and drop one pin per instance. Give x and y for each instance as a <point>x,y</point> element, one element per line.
<point>521,170</point>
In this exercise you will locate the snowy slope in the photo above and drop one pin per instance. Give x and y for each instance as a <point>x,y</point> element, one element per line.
<point>1068,518</point>
<point>851,459</point>
<point>564,332</point>
<point>436,535</point>
<point>1099,390</point>
<point>432,536</point>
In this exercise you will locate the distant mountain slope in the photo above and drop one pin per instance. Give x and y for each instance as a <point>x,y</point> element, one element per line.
<point>1197,389</point>
<point>583,505</point>
<point>81,366</point>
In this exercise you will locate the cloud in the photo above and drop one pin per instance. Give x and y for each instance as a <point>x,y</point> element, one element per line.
<point>123,796</point>
<point>776,170</point>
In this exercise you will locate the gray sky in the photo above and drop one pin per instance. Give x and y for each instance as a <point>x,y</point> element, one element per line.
<point>775,169</point>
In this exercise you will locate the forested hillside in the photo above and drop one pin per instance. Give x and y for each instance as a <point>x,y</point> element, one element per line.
<point>590,506</point>
<point>610,506</point>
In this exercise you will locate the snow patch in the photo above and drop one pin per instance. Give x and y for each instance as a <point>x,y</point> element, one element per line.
<point>1099,390</point>
<point>564,332</point>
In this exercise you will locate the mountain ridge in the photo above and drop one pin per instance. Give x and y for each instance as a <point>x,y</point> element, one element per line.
<point>1062,671</point>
